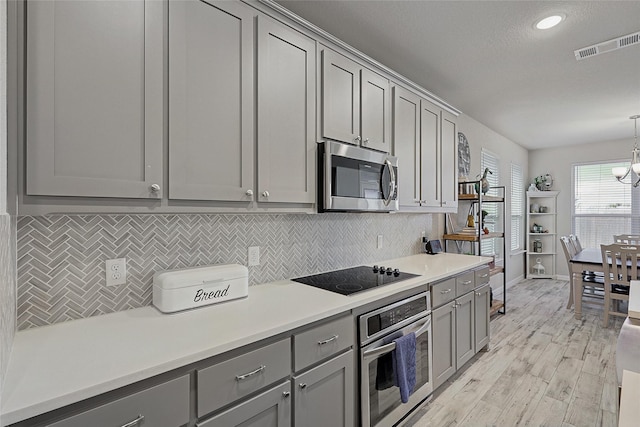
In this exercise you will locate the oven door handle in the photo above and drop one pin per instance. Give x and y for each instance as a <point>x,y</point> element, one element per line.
<point>387,348</point>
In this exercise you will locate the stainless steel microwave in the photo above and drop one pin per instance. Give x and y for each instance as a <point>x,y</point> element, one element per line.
<point>356,179</point>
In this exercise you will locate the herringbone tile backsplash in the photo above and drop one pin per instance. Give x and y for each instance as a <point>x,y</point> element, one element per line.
<point>61,259</point>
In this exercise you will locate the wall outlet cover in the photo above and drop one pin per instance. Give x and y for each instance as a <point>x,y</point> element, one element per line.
<point>116,271</point>
<point>253,256</point>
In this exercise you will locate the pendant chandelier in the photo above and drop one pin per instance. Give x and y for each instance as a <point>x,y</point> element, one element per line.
<point>621,172</point>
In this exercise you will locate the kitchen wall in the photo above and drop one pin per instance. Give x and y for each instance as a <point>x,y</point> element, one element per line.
<point>61,273</point>
<point>559,163</point>
<point>479,137</point>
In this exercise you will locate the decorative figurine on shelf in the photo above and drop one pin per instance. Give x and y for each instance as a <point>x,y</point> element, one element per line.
<point>484,181</point>
<point>543,182</point>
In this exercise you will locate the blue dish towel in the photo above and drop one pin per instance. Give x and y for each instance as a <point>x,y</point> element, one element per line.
<point>404,365</point>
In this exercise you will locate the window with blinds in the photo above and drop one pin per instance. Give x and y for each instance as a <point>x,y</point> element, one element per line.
<point>491,161</point>
<point>602,206</point>
<point>517,210</point>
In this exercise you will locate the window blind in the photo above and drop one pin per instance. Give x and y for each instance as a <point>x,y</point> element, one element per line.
<point>601,205</point>
<point>517,211</point>
<point>491,161</point>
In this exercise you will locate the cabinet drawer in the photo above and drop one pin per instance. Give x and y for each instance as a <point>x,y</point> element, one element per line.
<point>465,283</point>
<point>235,378</point>
<point>482,276</point>
<point>322,342</point>
<point>443,292</point>
<point>165,405</point>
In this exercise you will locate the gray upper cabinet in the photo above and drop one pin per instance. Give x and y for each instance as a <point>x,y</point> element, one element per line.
<point>94,96</point>
<point>286,114</point>
<point>406,145</point>
<point>211,101</point>
<point>355,103</point>
<point>424,142</point>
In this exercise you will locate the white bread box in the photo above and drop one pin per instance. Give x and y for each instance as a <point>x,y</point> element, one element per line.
<point>175,290</point>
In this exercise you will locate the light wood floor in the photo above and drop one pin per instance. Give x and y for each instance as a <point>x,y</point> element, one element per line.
<point>544,368</point>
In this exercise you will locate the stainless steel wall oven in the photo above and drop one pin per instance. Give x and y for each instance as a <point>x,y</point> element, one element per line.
<point>380,405</point>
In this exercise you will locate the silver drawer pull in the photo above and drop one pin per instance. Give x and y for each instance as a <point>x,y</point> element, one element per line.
<point>445,292</point>
<point>484,275</point>
<point>134,422</point>
<point>468,282</point>
<point>303,385</point>
<point>327,341</point>
<point>250,374</point>
<point>286,394</point>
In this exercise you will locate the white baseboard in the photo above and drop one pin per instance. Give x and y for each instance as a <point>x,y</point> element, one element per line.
<point>562,277</point>
<point>516,280</point>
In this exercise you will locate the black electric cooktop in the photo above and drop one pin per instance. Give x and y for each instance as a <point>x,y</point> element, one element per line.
<point>356,279</point>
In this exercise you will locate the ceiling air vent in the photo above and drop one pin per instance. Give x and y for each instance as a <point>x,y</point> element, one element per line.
<point>608,46</point>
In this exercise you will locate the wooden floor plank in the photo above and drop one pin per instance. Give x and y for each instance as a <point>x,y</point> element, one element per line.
<point>543,368</point>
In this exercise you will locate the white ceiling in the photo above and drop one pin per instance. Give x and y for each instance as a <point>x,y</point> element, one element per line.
<point>486,59</point>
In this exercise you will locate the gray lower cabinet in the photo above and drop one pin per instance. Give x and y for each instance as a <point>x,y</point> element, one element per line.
<point>482,307</point>
<point>324,395</point>
<point>165,405</point>
<point>465,328</point>
<point>443,324</point>
<point>211,100</point>
<point>94,98</point>
<point>269,409</point>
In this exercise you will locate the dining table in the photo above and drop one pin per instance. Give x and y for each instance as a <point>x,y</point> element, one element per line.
<point>588,259</point>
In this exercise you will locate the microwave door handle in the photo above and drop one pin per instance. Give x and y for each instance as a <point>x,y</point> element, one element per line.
<point>392,182</point>
<point>387,348</point>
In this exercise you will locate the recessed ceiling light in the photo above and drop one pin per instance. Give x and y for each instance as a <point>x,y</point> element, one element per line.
<point>549,22</point>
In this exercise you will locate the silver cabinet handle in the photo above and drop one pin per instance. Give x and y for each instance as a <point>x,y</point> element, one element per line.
<point>357,139</point>
<point>265,194</point>
<point>134,422</point>
<point>286,394</point>
<point>250,374</point>
<point>484,275</point>
<point>445,292</point>
<point>468,282</point>
<point>478,293</point>
<point>365,141</point>
<point>154,188</point>
<point>327,341</point>
<point>249,193</point>
<point>303,385</point>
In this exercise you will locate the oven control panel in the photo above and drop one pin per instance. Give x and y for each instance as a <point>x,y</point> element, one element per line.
<point>380,321</point>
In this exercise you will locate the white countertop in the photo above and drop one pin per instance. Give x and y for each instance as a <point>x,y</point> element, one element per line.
<point>54,366</point>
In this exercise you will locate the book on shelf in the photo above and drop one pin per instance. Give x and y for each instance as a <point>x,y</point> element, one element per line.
<point>469,231</point>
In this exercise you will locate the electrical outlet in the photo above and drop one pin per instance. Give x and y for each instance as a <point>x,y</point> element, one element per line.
<point>116,271</point>
<point>379,241</point>
<point>254,255</point>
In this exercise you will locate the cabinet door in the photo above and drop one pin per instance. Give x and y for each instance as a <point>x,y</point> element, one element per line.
<point>444,341</point>
<point>375,111</point>
<point>211,100</point>
<point>406,145</point>
<point>269,409</point>
<point>449,157</point>
<point>324,396</point>
<point>286,114</point>
<point>482,307</point>
<point>430,179</point>
<point>94,118</point>
<point>340,98</point>
<point>465,320</point>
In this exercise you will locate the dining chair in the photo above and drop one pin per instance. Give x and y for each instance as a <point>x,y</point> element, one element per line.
<point>627,239</point>
<point>575,242</point>
<point>592,289</point>
<point>620,266</point>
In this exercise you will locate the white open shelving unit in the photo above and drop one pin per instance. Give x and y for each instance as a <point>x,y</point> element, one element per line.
<point>548,238</point>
